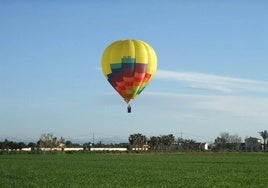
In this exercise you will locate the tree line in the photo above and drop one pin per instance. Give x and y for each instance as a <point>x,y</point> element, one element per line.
<point>138,141</point>
<point>46,140</point>
<point>164,143</point>
<point>224,142</point>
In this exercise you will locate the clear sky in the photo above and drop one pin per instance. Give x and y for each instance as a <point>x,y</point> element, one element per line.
<point>211,78</point>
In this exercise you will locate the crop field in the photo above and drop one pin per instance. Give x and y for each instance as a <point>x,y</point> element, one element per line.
<point>134,170</point>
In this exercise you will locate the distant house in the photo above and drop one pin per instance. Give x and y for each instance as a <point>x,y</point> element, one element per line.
<point>195,146</point>
<point>61,149</point>
<point>253,144</point>
<point>26,149</point>
<point>203,146</point>
<point>50,149</point>
<point>200,146</point>
<point>108,149</point>
<point>73,149</point>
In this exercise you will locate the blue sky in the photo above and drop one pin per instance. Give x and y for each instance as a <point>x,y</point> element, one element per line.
<point>211,78</point>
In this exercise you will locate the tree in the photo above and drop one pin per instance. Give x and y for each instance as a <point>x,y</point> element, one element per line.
<point>168,141</point>
<point>10,145</point>
<point>68,144</point>
<point>227,141</point>
<point>180,142</point>
<point>155,142</point>
<point>264,135</point>
<point>186,144</point>
<point>2,146</point>
<point>48,141</point>
<point>21,145</point>
<point>32,145</point>
<point>137,140</point>
<point>164,142</point>
<point>235,141</point>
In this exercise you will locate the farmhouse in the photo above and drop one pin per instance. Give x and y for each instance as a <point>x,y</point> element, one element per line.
<point>203,146</point>
<point>253,144</point>
<point>26,149</point>
<point>73,149</point>
<point>199,146</point>
<point>108,149</point>
<point>61,149</point>
<point>51,149</point>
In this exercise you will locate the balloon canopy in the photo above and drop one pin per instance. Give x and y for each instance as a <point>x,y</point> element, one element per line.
<point>129,65</point>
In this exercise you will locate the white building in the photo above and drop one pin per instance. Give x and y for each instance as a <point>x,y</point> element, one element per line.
<point>108,149</point>
<point>253,144</point>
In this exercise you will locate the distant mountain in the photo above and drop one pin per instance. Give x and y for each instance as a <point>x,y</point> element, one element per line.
<point>103,140</point>
<point>113,140</point>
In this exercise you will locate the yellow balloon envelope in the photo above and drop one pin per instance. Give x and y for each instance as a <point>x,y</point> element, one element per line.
<point>129,65</point>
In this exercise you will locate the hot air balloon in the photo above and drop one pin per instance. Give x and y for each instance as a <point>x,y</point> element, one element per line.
<point>129,65</point>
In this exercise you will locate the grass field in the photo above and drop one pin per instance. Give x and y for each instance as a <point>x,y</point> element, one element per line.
<point>134,170</point>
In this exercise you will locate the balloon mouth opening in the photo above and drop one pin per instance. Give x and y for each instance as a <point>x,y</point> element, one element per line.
<point>126,100</point>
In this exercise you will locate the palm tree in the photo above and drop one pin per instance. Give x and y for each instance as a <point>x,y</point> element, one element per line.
<point>156,142</point>
<point>264,135</point>
<point>153,142</point>
<point>137,140</point>
<point>168,141</point>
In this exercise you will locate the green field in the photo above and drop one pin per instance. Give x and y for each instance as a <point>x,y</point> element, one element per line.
<point>134,170</point>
